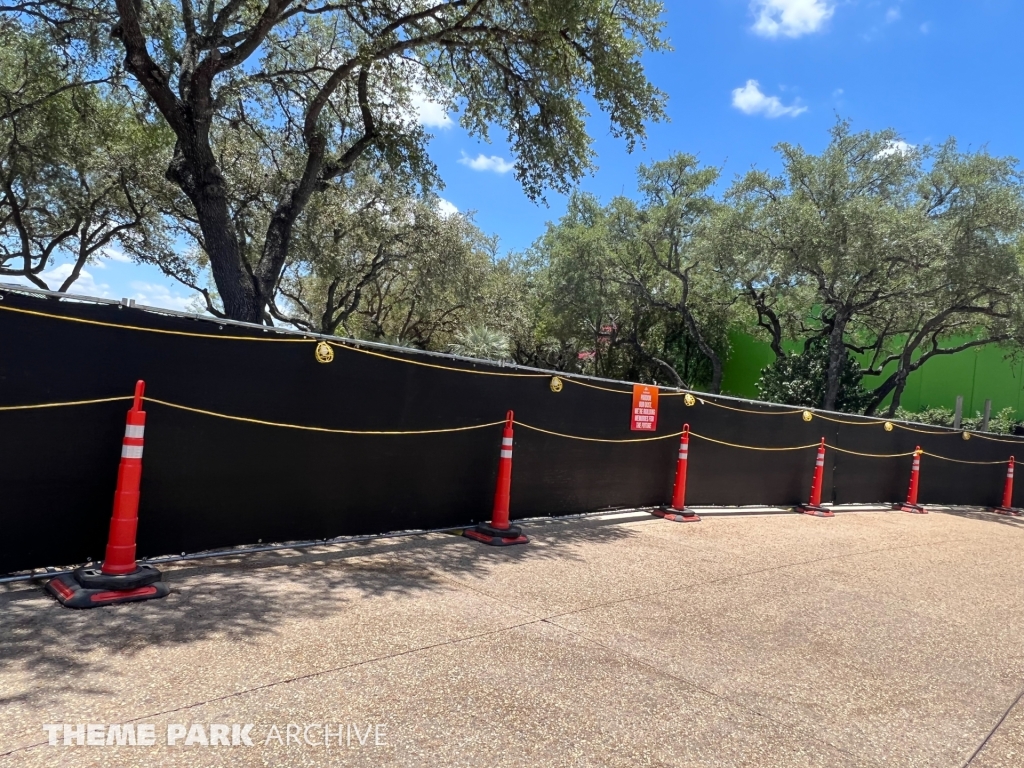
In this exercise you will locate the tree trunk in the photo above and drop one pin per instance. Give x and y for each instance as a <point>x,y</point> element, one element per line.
<point>896,383</point>
<point>768,319</point>
<point>279,231</point>
<point>715,387</point>
<point>897,394</point>
<point>836,359</point>
<point>194,169</point>
<point>671,372</point>
<point>695,333</point>
<point>879,394</point>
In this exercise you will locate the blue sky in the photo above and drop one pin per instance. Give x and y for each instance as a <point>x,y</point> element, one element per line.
<point>928,69</point>
<point>744,75</point>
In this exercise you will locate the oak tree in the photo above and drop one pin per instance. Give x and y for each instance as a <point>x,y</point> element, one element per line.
<point>328,83</point>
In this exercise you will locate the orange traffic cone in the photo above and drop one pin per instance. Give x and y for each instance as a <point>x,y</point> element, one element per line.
<point>499,533</point>
<point>120,579</point>
<point>911,505</point>
<point>1007,508</point>
<point>813,506</point>
<point>677,511</point>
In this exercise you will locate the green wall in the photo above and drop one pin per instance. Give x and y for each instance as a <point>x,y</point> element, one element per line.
<point>977,374</point>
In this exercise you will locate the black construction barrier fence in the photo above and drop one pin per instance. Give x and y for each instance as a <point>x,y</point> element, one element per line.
<point>210,481</point>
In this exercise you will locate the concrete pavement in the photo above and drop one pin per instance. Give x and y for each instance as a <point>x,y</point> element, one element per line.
<point>870,639</point>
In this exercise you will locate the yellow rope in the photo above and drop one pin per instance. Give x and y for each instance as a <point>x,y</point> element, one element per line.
<point>941,433</point>
<point>353,348</point>
<point>322,429</point>
<point>963,461</point>
<point>598,439</point>
<point>603,389</point>
<point>803,447</point>
<point>674,393</point>
<point>817,414</point>
<point>854,422</point>
<point>671,393</point>
<point>870,455</point>
<point>277,338</point>
<point>996,439</point>
<point>747,410</point>
<point>699,399</point>
<point>59,405</point>
<point>328,430</point>
<point>752,447</point>
<point>150,330</point>
<point>954,432</point>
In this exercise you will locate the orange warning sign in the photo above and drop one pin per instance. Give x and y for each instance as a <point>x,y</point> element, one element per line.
<point>645,408</point>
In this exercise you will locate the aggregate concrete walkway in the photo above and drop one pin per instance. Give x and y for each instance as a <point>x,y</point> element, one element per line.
<point>871,639</point>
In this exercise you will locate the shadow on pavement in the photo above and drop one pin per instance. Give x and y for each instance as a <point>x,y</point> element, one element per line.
<point>984,514</point>
<point>251,594</point>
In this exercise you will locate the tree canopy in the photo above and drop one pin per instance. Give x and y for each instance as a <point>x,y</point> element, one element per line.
<point>78,171</point>
<point>314,89</point>
<point>631,288</point>
<point>873,255</point>
<point>883,249</point>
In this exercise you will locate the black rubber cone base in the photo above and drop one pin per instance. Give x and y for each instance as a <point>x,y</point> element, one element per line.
<point>814,510</point>
<point>683,515</point>
<point>496,537</point>
<point>70,593</point>
<point>1009,511</point>
<point>95,578</point>
<point>915,509</point>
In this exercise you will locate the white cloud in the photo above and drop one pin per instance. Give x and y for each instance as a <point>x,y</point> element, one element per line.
<point>790,18</point>
<point>893,14</point>
<point>446,207</point>
<point>417,105</point>
<point>112,254</point>
<point>150,294</point>
<point>428,113</point>
<point>926,28</point>
<point>751,101</point>
<point>115,255</point>
<point>85,285</point>
<point>897,147</point>
<point>484,163</point>
<point>154,295</point>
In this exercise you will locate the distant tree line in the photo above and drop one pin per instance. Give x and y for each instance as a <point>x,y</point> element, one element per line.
<point>875,255</point>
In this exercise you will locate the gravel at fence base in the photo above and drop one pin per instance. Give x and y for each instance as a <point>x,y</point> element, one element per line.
<point>783,640</point>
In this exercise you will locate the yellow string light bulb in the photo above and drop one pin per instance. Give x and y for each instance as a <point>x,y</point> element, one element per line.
<point>324,353</point>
